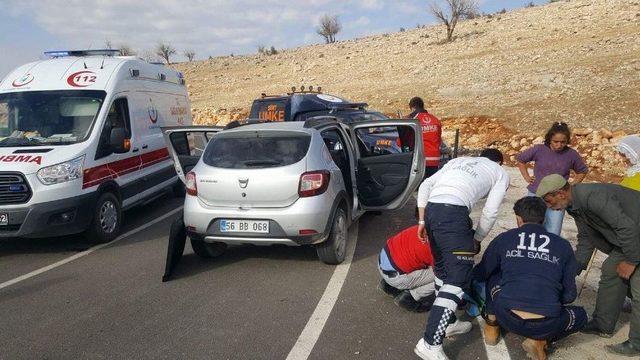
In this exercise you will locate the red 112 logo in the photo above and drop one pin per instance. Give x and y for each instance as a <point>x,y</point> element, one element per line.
<point>82,78</point>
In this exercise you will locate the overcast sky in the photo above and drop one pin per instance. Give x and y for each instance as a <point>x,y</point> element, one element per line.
<point>210,28</point>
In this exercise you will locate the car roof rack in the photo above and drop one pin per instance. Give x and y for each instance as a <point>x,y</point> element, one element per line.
<point>244,122</point>
<point>321,120</point>
<point>346,105</point>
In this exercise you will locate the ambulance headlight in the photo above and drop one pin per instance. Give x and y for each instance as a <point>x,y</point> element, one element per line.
<point>63,172</point>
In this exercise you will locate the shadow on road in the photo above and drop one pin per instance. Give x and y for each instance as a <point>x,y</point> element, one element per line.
<point>192,265</point>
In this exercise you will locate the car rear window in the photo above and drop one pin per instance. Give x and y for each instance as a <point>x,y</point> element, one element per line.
<point>256,150</point>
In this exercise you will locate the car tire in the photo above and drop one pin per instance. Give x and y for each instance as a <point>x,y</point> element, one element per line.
<point>107,218</point>
<point>207,250</point>
<point>333,250</point>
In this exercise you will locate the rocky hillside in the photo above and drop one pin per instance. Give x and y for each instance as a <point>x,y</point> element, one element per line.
<point>576,60</point>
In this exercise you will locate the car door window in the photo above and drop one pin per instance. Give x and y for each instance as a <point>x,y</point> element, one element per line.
<point>189,146</point>
<point>384,140</point>
<point>117,117</point>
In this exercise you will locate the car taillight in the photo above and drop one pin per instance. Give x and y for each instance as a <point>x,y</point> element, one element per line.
<point>190,184</point>
<point>313,183</point>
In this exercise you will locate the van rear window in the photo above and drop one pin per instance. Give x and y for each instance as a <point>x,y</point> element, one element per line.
<point>256,150</point>
<point>271,110</point>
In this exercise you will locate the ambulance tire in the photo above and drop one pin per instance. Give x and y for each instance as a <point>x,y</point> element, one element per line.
<point>333,250</point>
<point>208,250</point>
<point>107,219</point>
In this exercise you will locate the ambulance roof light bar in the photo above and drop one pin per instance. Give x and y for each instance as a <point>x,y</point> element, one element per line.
<point>96,52</point>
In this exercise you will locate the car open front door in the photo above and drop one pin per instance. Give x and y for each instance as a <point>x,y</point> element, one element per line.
<point>186,145</point>
<point>385,177</point>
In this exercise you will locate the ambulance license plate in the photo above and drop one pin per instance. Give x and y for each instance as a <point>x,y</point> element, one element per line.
<point>244,226</point>
<point>4,219</point>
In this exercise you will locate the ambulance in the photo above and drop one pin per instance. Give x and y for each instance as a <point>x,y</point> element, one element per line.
<point>80,142</point>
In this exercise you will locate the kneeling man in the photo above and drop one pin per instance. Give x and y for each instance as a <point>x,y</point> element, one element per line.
<point>406,268</point>
<point>530,275</point>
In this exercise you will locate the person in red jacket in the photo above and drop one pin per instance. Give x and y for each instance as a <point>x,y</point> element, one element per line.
<point>431,135</point>
<point>406,266</point>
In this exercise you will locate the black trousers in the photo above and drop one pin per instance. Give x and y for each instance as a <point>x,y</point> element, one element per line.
<point>452,245</point>
<point>572,318</point>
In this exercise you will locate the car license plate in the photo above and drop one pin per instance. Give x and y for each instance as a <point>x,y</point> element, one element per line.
<point>4,219</point>
<point>244,226</point>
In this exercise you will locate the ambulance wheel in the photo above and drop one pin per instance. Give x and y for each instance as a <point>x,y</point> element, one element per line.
<point>333,250</point>
<point>107,218</point>
<point>207,250</point>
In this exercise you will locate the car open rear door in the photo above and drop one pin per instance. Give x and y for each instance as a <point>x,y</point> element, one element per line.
<point>386,179</point>
<point>186,145</point>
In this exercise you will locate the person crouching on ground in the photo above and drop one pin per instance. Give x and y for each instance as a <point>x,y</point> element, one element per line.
<point>530,275</point>
<point>444,202</point>
<point>608,219</point>
<point>406,267</point>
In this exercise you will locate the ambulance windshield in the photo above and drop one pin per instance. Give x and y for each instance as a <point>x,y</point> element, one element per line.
<point>41,118</point>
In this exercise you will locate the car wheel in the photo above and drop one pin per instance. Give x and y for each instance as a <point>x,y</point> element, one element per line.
<point>334,249</point>
<point>208,250</point>
<point>107,218</point>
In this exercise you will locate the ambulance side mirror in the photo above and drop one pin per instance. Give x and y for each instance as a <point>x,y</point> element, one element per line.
<point>119,141</point>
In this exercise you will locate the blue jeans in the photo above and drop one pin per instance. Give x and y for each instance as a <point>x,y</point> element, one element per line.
<point>552,219</point>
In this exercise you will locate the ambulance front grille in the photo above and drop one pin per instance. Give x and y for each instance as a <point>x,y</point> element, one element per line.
<point>14,189</point>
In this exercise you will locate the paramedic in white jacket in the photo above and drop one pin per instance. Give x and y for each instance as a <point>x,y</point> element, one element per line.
<point>446,199</point>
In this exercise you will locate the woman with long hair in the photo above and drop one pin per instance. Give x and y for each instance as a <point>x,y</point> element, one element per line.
<point>553,157</point>
<point>629,147</point>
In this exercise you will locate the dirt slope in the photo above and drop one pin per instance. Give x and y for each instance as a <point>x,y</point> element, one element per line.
<point>577,61</point>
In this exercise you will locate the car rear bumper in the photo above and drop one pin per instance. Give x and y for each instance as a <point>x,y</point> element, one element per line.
<point>285,224</point>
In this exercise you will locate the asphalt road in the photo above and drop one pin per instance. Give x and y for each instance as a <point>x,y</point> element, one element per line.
<point>253,303</point>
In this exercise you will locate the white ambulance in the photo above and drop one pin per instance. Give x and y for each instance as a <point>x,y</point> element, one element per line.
<point>80,141</point>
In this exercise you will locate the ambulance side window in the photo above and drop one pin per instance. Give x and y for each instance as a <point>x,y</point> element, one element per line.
<point>118,117</point>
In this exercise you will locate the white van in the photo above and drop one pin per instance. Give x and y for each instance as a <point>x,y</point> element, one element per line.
<point>80,141</point>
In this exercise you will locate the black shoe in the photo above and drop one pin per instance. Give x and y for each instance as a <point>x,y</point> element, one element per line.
<point>407,302</point>
<point>592,328</point>
<point>388,289</point>
<point>625,348</point>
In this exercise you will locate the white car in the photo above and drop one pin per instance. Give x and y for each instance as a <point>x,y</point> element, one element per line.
<point>292,183</point>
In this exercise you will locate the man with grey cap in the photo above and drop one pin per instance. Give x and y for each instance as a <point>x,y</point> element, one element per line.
<point>608,219</point>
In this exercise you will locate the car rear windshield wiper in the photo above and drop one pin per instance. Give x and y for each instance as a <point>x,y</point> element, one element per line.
<point>261,162</point>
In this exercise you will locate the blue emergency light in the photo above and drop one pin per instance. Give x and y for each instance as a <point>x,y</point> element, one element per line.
<point>96,52</point>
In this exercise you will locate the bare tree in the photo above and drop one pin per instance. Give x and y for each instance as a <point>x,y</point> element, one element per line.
<point>190,54</point>
<point>165,50</point>
<point>262,50</point>
<point>455,10</point>
<point>126,50</point>
<point>148,56</point>
<point>328,28</point>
